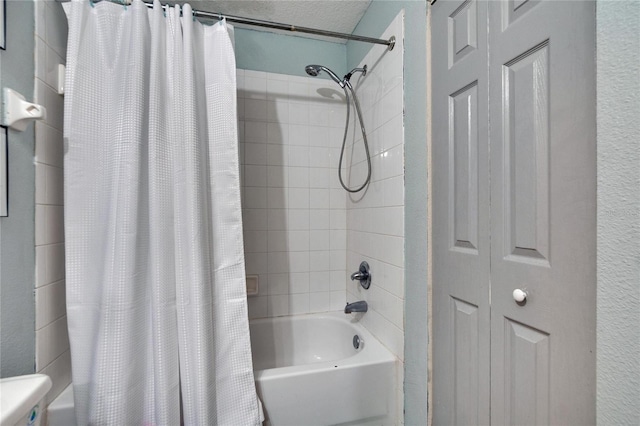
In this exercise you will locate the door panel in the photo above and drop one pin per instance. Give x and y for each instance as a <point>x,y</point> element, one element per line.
<point>527,397</point>
<point>460,213</point>
<point>525,159</point>
<point>542,114</point>
<point>463,168</point>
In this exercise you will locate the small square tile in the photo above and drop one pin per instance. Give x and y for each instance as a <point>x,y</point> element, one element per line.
<point>319,261</point>
<point>338,300</point>
<point>298,135</point>
<point>277,89</point>
<point>255,109</point>
<point>256,263</point>
<point>278,305</point>
<point>277,262</point>
<point>338,280</point>
<point>320,281</point>
<point>319,136</point>
<point>255,87</point>
<point>319,198</point>
<point>255,241</point>
<point>255,175</point>
<point>298,177</point>
<point>299,156</point>
<point>299,304</point>
<point>299,283</point>
<point>277,155</point>
<point>298,240</point>
<point>299,113</point>
<point>298,261</point>
<point>319,219</point>
<point>298,220</point>
<point>255,153</point>
<point>298,198</point>
<point>277,220</point>
<point>255,131</point>
<point>257,306</point>
<point>278,111</point>
<point>254,219</point>
<point>320,302</point>
<point>255,198</point>
<point>277,133</point>
<point>319,240</point>
<point>277,176</point>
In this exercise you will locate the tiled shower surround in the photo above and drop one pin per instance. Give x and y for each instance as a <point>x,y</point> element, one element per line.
<point>304,234</point>
<point>375,218</point>
<point>293,208</point>
<point>52,342</point>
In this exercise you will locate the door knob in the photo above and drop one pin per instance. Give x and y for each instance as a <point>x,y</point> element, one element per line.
<point>520,296</point>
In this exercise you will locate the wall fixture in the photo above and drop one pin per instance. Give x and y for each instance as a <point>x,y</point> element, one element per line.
<point>18,112</point>
<point>363,275</point>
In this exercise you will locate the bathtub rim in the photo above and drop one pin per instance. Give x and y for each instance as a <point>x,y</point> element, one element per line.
<point>372,353</point>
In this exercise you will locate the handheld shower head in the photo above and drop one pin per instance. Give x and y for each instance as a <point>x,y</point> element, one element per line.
<point>314,71</point>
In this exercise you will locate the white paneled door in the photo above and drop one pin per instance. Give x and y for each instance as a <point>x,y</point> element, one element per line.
<point>514,212</point>
<point>460,213</point>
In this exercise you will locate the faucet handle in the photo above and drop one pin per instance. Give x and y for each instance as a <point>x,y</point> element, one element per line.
<point>363,275</point>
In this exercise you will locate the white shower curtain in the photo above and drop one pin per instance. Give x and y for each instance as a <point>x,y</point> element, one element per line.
<point>156,297</point>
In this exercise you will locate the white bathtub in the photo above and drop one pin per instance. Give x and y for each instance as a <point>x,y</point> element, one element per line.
<point>308,373</point>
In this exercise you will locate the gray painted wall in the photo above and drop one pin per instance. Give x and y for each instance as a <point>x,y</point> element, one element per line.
<point>373,23</point>
<point>285,54</point>
<point>618,312</point>
<point>17,253</point>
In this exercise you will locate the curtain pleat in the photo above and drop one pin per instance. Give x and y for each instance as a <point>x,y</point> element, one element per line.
<point>156,298</point>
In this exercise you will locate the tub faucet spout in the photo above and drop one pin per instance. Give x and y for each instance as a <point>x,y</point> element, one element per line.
<point>360,306</point>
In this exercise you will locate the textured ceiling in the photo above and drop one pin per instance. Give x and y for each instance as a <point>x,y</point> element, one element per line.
<point>333,15</point>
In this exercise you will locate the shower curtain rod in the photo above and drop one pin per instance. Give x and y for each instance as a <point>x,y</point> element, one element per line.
<point>276,25</point>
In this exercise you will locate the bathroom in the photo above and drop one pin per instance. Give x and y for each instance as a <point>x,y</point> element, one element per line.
<point>304,236</point>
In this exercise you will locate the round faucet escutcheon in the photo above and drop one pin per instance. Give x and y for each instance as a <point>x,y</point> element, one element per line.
<point>363,275</point>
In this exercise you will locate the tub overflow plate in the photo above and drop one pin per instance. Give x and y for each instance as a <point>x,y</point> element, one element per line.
<point>357,342</point>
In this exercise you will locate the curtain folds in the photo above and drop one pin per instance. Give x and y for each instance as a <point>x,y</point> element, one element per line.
<point>156,298</point>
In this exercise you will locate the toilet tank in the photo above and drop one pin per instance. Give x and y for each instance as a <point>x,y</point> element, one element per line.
<point>21,400</point>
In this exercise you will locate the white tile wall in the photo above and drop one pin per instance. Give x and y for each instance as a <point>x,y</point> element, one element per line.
<point>294,212</point>
<point>52,340</point>
<point>375,219</point>
<point>303,233</point>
